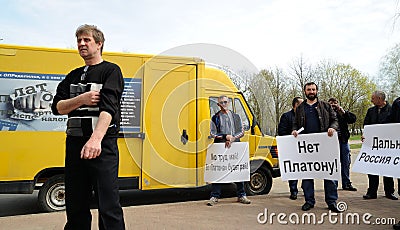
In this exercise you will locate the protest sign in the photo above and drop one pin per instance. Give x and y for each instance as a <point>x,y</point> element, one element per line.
<point>226,165</point>
<point>309,156</point>
<point>380,151</point>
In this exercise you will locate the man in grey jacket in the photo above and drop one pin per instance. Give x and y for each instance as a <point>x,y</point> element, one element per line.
<point>226,127</point>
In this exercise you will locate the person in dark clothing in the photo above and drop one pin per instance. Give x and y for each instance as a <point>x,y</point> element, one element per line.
<point>344,118</point>
<point>316,116</point>
<point>285,128</point>
<point>91,95</point>
<point>226,127</point>
<point>394,117</point>
<point>378,114</point>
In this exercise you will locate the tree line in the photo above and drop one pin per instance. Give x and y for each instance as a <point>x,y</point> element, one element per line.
<point>270,92</point>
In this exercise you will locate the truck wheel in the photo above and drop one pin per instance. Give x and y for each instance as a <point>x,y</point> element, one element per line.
<point>260,182</point>
<point>52,194</point>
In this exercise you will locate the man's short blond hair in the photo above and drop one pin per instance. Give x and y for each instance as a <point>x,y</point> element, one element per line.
<point>91,30</point>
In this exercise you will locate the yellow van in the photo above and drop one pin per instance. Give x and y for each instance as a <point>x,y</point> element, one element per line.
<point>167,105</point>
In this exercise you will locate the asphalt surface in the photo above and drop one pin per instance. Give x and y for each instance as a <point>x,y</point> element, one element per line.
<point>272,211</point>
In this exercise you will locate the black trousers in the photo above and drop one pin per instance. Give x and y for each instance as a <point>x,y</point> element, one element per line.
<point>398,186</point>
<point>373,183</point>
<point>100,175</point>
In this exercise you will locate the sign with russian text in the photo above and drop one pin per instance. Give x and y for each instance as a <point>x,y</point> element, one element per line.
<point>380,151</point>
<point>309,156</point>
<point>130,105</point>
<point>26,98</point>
<point>25,102</point>
<point>226,165</point>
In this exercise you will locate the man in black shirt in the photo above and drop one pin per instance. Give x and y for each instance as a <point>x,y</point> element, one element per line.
<point>91,95</point>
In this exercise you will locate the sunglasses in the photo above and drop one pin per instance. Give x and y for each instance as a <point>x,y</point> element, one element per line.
<point>223,102</point>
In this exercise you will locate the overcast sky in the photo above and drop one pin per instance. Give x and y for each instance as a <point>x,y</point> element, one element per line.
<point>268,32</point>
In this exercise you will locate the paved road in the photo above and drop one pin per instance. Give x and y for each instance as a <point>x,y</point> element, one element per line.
<point>355,142</point>
<point>23,204</point>
<point>229,214</point>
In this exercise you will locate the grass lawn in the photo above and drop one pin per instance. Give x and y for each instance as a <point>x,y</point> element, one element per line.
<point>355,146</point>
<point>355,137</point>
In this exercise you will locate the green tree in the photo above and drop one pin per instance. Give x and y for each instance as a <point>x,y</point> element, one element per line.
<point>348,85</point>
<point>389,73</point>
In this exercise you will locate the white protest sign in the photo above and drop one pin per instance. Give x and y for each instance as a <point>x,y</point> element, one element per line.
<point>380,151</point>
<point>226,165</point>
<point>309,156</point>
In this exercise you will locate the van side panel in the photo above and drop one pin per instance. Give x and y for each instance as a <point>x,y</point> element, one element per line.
<point>169,148</point>
<point>24,154</point>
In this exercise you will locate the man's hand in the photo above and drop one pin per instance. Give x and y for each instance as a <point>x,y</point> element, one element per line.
<point>91,149</point>
<point>229,140</point>
<point>341,110</point>
<point>362,138</point>
<point>294,133</point>
<point>331,131</point>
<point>90,98</point>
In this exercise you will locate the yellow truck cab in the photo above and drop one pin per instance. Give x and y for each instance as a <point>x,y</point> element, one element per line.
<point>166,106</point>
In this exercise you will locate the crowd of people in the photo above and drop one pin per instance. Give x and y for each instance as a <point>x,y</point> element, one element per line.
<point>91,162</point>
<point>315,116</point>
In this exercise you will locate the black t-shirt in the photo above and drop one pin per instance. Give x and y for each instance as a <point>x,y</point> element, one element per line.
<point>108,77</point>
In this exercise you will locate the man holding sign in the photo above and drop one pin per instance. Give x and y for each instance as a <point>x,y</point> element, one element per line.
<point>315,116</point>
<point>226,127</point>
<point>394,117</point>
<point>378,114</point>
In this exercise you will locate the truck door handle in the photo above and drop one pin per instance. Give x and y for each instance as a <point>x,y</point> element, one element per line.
<point>184,137</point>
